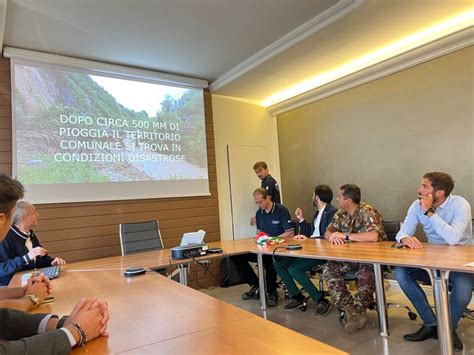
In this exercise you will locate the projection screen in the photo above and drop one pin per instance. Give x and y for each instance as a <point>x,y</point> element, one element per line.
<point>79,135</point>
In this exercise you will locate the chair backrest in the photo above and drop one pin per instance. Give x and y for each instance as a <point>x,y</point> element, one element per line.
<point>140,236</point>
<point>391,228</point>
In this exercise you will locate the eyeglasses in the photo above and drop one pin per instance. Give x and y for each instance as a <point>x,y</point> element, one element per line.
<point>397,245</point>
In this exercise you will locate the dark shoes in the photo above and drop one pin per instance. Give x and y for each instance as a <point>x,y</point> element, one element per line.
<point>422,334</point>
<point>458,345</point>
<point>272,299</point>
<point>297,303</point>
<point>431,333</point>
<point>252,294</point>
<point>322,308</point>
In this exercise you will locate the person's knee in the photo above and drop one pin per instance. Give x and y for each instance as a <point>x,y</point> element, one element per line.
<point>463,283</point>
<point>401,274</point>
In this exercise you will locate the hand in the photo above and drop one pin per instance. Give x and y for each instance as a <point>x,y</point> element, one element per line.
<point>58,261</point>
<point>104,310</point>
<point>411,242</point>
<point>38,251</point>
<point>299,214</point>
<point>92,315</point>
<point>337,238</point>
<point>253,221</point>
<point>426,202</point>
<point>39,289</point>
<point>94,303</point>
<point>42,278</point>
<point>39,278</point>
<point>300,237</point>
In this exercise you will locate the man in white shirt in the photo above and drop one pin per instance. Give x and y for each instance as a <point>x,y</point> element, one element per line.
<point>446,219</point>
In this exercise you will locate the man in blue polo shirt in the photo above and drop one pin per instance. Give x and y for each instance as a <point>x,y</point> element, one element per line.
<point>273,219</point>
<point>446,219</point>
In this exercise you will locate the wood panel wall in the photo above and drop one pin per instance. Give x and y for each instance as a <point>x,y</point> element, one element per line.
<point>88,230</point>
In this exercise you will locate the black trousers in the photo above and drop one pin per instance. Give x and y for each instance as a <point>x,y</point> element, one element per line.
<point>248,274</point>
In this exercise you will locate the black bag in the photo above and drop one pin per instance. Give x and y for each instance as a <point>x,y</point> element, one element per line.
<point>230,275</point>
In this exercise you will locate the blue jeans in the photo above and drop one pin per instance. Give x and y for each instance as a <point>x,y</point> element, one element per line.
<point>460,285</point>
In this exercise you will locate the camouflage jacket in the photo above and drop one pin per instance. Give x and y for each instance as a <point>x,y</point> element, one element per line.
<point>365,219</point>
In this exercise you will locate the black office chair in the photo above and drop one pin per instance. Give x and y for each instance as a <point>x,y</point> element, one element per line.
<point>138,237</point>
<point>391,229</point>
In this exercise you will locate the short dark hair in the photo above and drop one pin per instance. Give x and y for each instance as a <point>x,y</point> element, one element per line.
<point>351,191</point>
<point>324,193</point>
<point>260,164</point>
<point>440,181</point>
<point>11,191</point>
<point>261,191</point>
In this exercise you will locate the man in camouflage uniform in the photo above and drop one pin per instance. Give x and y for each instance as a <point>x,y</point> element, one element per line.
<point>355,221</point>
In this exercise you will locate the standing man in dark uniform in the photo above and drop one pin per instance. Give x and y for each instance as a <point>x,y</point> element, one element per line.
<point>268,182</point>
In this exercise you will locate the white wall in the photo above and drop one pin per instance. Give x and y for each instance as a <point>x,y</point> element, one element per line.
<point>240,123</point>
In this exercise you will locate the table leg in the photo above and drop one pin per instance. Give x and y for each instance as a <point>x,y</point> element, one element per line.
<point>183,274</point>
<point>381,301</point>
<point>261,281</point>
<point>443,313</point>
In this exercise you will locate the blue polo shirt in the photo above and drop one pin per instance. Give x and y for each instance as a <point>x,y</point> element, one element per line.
<point>275,222</point>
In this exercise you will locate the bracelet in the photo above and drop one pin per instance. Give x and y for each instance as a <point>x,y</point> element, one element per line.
<point>82,334</point>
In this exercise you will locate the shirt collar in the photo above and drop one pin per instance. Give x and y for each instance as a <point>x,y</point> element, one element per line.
<point>20,233</point>
<point>271,211</point>
<point>443,205</point>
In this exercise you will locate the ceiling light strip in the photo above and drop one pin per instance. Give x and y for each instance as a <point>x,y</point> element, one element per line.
<point>433,33</point>
<point>446,45</point>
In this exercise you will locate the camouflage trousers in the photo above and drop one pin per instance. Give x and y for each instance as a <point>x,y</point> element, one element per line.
<point>341,296</point>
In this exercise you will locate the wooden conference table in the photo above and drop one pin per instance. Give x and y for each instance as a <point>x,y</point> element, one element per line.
<point>151,314</point>
<point>437,260</point>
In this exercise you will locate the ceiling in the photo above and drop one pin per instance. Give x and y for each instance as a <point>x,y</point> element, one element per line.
<point>249,49</point>
<point>197,38</point>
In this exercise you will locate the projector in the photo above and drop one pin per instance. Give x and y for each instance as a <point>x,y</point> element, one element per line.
<point>189,251</point>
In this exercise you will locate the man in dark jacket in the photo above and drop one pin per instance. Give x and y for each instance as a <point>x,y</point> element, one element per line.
<point>44,333</point>
<point>291,269</point>
<point>21,249</point>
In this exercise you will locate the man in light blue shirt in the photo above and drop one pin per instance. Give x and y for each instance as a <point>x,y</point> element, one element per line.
<point>446,219</point>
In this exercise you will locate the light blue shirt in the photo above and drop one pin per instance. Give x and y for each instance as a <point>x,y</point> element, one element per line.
<point>451,224</point>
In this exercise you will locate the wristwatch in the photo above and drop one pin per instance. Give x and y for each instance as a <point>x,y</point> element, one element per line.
<point>346,237</point>
<point>429,210</point>
<point>34,299</point>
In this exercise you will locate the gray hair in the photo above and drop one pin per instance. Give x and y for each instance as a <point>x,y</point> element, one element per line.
<point>21,211</point>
